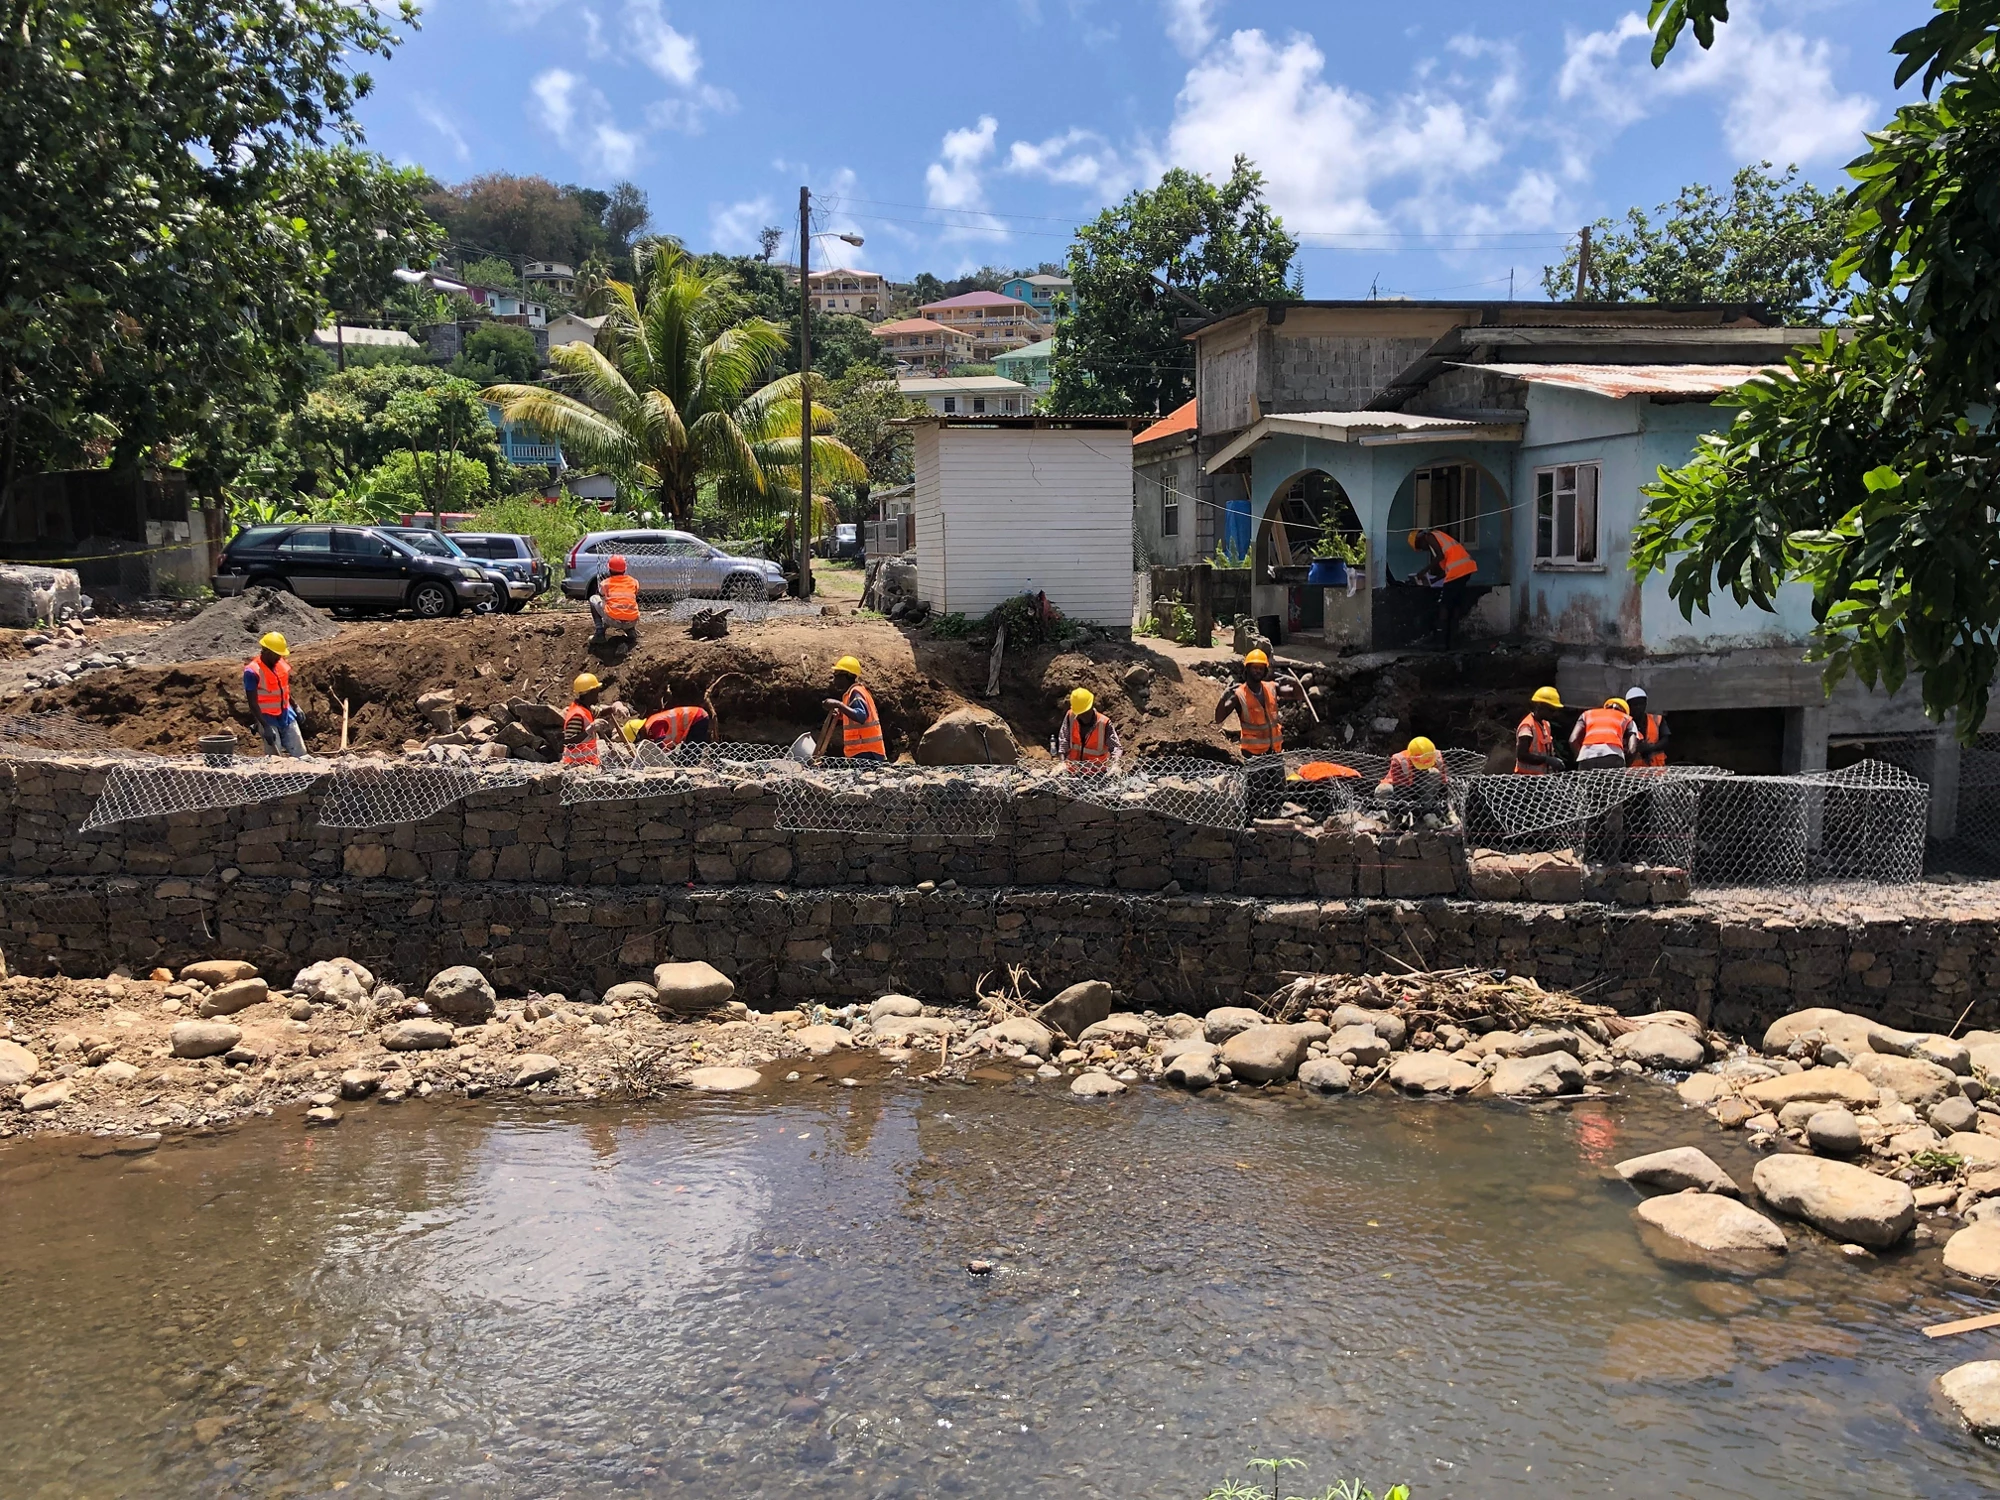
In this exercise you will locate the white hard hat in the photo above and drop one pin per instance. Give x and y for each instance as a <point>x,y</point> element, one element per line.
<point>1635,691</point>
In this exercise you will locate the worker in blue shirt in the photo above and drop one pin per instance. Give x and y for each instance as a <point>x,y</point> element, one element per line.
<point>267,683</point>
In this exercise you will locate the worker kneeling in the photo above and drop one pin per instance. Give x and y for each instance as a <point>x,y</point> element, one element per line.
<point>1087,741</point>
<point>671,728</point>
<point>1416,789</point>
<point>614,603</point>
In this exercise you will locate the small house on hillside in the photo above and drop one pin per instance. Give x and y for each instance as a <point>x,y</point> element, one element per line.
<point>1014,505</point>
<point>1032,364</point>
<point>571,329</point>
<point>968,395</point>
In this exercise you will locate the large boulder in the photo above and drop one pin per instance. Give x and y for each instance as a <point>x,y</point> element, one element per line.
<point>1824,1085</point>
<point>237,994</point>
<point>1325,1075</point>
<point>1844,1201</point>
<point>17,1064</point>
<point>462,993</point>
<point>1266,1054</point>
<point>1545,1073</point>
<point>1116,1031</point>
<point>214,971</point>
<point>968,736</point>
<point>1973,1391</point>
<point>900,1006</point>
<point>1855,1033</point>
<point>1709,1230</point>
<point>1660,1045</point>
<point>1225,1021</point>
<point>1080,1006</point>
<point>418,1035</point>
<point>1917,1083</point>
<point>203,1038</point>
<point>819,1041</point>
<point>691,989</point>
<point>1024,1031</point>
<point>1433,1073</point>
<point>1677,1170</point>
<point>334,981</point>
<point>1975,1251</point>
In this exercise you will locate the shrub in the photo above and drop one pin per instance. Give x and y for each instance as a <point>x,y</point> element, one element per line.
<point>555,525</point>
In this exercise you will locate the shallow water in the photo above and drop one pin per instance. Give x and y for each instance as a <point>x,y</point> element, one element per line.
<point>767,1295</point>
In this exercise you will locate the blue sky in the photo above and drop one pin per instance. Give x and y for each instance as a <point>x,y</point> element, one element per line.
<point>1423,149</point>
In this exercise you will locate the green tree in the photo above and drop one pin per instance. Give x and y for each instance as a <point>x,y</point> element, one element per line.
<point>1770,239</point>
<point>496,352</point>
<point>491,270</point>
<point>660,400</point>
<point>345,428</point>
<point>1219,246</point>
<point>183,203</point>
<point>408,481</point>
<point>867,403</point>
<point>1870,470</point>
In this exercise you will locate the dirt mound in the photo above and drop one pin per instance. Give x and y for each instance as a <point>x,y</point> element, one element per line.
<point>232,628</point>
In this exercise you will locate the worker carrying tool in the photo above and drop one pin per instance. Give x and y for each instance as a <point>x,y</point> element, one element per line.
<point>1535,751</point>
<point>1086,741</point>
<point>614,603</point>
<point>1416,787</point>
<point>1604,737</point>
<point>1449,570</point>
<point>853,724</point>
<point>671,728</point>
<point>267,683</point>
<point>582,731</point>
<point>1649,743</point>
<point>1255,702</point>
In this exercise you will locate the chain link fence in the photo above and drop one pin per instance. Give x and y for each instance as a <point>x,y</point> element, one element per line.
<point>650,771</point>
<point>367,792</point>
<point>161,786</point>
<point>892,801</point>
<point>1182,787</point>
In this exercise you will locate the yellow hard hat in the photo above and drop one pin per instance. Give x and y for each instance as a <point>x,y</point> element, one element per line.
<point>276,642</point>
<point>1256,659</point>
<point>1081,699</point>
<point>1618,703</point>
<point>1412,539</point>
<point>586,682</point>
<point>1421,746</point>
<point>1549,696</point>
<point>848,664</point>
<point>632,728</point>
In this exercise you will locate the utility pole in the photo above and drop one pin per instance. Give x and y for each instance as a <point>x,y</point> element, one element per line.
<point>804,537</point>
<point>1583,263</point>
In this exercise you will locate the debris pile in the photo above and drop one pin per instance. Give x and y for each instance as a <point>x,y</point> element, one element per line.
<point>232,627</point>
<point>513,729</point>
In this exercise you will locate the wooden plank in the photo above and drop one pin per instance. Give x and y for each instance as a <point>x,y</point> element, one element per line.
<point>1963,1325</point>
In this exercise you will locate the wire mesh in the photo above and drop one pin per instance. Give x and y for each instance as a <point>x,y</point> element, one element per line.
<point>1185,788</point>
<point>893,801</point>
<point>31,736</point>
<point>650,771</point>
<point>159,786</point>
<point>366,792</point>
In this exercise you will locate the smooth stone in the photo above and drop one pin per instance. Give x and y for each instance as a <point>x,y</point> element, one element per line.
<point>1266,1054</point>
<point>691,989</point>
<point>1953,1057</point>
<point>334,981</point>
<point>1174,1047</point>
<point>1975,1251</point>
<point>634,994</point>
<point>1825,1085</point>
<point>1917,1083</point>
<point>535,1067</point>
<point>1363,1043</point>
<point>1081,1005</point>
<point>203,1038</point>
<point>1116,1030</point>
<point>1835,1024</point>
<point>460,992</point>
<point>1661,1047</point>
<point>1847,1202</point>
<point>1973,1391</point>
<point>1733,1113</point>
<point>902,1028</point>
<point>1195,1068</point>
<point>1225,1021</point>
<point>1833,1132</point>
<point>1095,1086</point>
<point>359,1083</point>
<point>17,1064</point>
<point>117,1071</point>
<point>821,1040</point>
<point>48,1096</point>
<point>1676,1170</point>
<point>1432,1073</point>
<point>722,1080</point>
<point>1707,1229</point>
<point>322,1114</point>
<point>1538,1044</point>
<point>1325,1075</point>
<point>218,971</point>
<point>1541,1073</point>
<point>418,1035</point>
<point>1386,1024</point>
<point>1949,1116</point>
<point>895,1005</point>
<point>1021,1031</point>
<point>238,994</point>
<point>1978,1148</point>
<point>1181,1024</point>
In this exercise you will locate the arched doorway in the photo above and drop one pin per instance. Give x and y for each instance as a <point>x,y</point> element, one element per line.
<point>1462,497</point>
<point>1301,510</point>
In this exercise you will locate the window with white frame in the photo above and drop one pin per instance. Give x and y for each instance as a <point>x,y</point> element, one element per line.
<point>1566,514</point>
<point>950,406</point>
<point>1448,500</point>
<point>1170,509</point>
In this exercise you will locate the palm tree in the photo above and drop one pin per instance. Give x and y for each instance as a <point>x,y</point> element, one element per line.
<point>665,395</point>
<point>770,419</point>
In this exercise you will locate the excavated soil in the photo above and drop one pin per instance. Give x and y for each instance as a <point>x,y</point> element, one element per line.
<point>232,627</point>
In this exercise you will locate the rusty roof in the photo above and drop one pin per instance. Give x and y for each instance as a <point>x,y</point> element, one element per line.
<point>1180,422</point>
<point>1634,380</point>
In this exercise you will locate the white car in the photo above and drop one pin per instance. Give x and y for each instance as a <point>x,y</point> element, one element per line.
<point>674,563</point>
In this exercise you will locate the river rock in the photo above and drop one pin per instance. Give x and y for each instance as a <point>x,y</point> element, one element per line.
<point>691,989</point>
<point>238,994</point>
<point>1703,1089</point>
<point>460,992</point>
<point>1225,1021</point>
<point>1661,1046</point>
<point>821,1040</point>
<point>1709,1230</point>
<point>334,981</point>
<point>968,736</point>
<point>1975,1251</point>
<point>359,1083</point>
<point>1389,1026</point>
<point>1830,1085</point>
<point>1196,1067</point>
<point>1835,1025</point>
<point>1266,1054</point>
<point>535,1067</point>
<point>1676,1170</point>
<point>1844,1201</point>
<point>903,1028</point>
<point>49,1096</point>
<point>1174,1046</point>
<point>1116,1031</point>
<point>17,1064</point>
<point>117,1071</point>
<point>417,1036</point>
<point>1180,1024</point>
<point>1022,1031</point>
<point>634,994</point>
<point>1538,1044</point>
<point>1543,1073</point>
<point>1733,1113</point>
<point>722,1080</point>
<point>1978,1148</point>
<point>1081,1005</point>
<point>1833,1132</point>
<point>1973,1391</point>
<point>895,1005</point>
<point>1095,1086</point>
<point>203,1038</point>
<point>1953,1114</point>
<point>1363,1045</point>
<point>1917,1083</point>
<point>1325,1075</point>
<point>218,971</point>
<point>1432,1073</point>
<point>1953,1057</point>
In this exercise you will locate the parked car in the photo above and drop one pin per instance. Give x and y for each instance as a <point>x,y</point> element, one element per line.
<point>434,543</point>
<point>516,556</point>
<point>845,541</point>
<point>359,568</point>
<point>672,562</point>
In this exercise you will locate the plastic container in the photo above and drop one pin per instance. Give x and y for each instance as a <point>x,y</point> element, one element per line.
<point>217,749</point>
<point>1327,573</point>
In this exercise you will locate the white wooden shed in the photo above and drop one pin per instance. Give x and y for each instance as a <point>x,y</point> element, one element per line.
<point>1014,505</point>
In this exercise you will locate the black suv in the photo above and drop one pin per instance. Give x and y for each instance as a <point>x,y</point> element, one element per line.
<point>515,556</point>
<point>359,568</point>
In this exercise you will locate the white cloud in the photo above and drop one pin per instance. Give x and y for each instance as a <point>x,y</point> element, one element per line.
<point>1083,159</point>
<point>734,226</point>
<point>955,182</point>
<point>555,92</point>
<point>579,117</point>
<point>433,115</point>
<point>1190,24</point>
<point>593,34</point>
<point>673,55</point>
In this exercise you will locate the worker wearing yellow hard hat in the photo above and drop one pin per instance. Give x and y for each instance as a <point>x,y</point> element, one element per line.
<point>1416,788</point>
<point>582,733</point>
<point>1603,737</point>
<point>1086,741</point>
<point>267,685</point>
<point>671,728</point>
<point>853,728</point>
<point>1535,736</point>
<point>1255,702</point>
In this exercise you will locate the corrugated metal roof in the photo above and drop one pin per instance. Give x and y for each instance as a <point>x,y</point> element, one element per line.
<point>1634,380</point>
<point>1364,427</point>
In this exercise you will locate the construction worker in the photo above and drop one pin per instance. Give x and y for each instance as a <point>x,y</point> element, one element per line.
<point>614,603</point>
<point>267,683</point>
<point>1086,741</point>
<point>672,728</point>
<point>1535,736</point>
<point>1449,571</point>
<point>1603,737</point>
<point>1649,747</point>
<point>1255,702</point>
<point>1416,785</point>
<point>581,730</point>
<point>854,715</point>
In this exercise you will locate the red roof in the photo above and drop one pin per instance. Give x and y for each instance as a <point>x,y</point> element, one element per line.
<point>1181,419</point>
<point>979,299</point>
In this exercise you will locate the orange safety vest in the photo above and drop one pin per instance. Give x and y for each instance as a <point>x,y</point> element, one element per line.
<point>1258,712</point>
<point>1091,751</point>
<point>1457,562</point>
<point>584,751</point>
<point>1651,731</point>
<point>274,686</point>
<point>1403,771</point>
<point>670,727</point>
<point>1604,728</point>
<point>620,592</point>
<point>864,738</point>
<point>1541,740</point>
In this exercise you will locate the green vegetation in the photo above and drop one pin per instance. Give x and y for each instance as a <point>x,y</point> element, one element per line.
<point>1171,621</point>
<point>496,352</point>
<point>435,481</point>
<point>530,218</point>
<point>1935,1165</point>
<point>491,270</point>
<point>356,420</point>
<point>555,525</point>
<point>952,627</point>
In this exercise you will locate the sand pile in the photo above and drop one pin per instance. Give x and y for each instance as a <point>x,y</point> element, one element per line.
<point>232,628</point>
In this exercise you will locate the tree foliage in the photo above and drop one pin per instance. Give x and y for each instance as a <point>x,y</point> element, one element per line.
<point>867,403</point>
<point>1769,239</point>
<point>181,201</point>
<point>1870,469</point>
<point>496,352</point>
<point>357,419</point>
<point>1121,349</point>
<point>531,218</point>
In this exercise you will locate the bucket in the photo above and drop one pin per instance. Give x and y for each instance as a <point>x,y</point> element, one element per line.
<point>1327,573</point>
<point>217,749</point>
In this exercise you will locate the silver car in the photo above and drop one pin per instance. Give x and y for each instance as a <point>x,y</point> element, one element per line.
<point>675,564</point>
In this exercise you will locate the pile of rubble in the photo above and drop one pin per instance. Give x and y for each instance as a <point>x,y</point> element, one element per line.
<point>55,646</point>
<point>515,729</point>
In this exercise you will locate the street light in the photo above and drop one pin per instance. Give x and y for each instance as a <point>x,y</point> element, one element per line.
<point>806,237</point>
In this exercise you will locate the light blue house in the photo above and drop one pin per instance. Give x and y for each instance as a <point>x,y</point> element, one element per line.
<point>521,443</point>
<point>1047,295</point>
<point>1030,364</point>
<point>1525,430</point>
